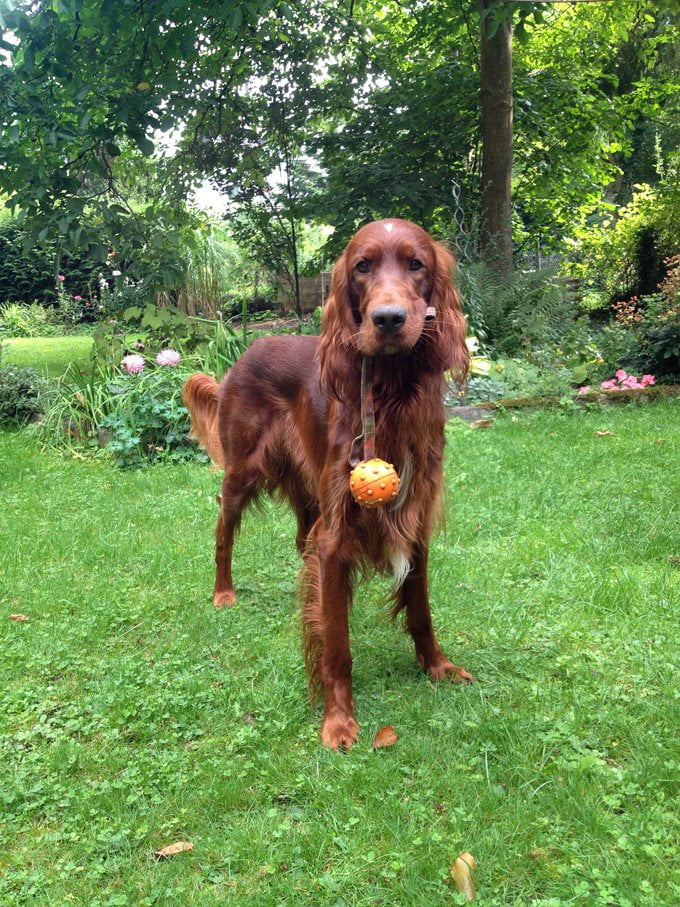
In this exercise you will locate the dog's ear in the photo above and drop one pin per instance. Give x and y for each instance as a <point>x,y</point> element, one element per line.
<point>337,350</point>
<point>449,323</point>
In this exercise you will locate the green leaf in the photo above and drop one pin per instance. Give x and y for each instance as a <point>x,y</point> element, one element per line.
<point>146,146</point>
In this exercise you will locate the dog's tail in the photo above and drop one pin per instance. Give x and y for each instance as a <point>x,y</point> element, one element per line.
<point>200,398</point>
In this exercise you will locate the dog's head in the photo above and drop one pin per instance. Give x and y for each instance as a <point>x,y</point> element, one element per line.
<point>392,292</point>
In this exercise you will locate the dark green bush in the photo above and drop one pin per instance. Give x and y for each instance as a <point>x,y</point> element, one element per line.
<point>29,275</point>
<point>22,392</point>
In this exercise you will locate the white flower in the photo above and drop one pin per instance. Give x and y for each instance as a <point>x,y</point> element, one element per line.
<point>168,357</point>
<point>132,363</point>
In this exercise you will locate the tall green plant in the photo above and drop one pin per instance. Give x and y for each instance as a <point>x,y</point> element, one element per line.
<point>222,350</point>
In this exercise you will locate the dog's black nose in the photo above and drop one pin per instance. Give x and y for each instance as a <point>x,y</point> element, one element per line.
<point>388,318</point>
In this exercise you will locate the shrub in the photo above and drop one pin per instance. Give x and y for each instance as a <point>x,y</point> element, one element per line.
<point>157,326</point>
<point>125,294</point>
<point>660,333</point>
<point>22,393</point>
<point>623,251</point>
<point>19,319</point>
<point>645,333</point>
<point>29,273</point>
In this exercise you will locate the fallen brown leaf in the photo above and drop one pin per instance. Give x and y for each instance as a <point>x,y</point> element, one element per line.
<point>172,849</point>
<point>463,874</point>
<point>19,618</point>
<point>386,736</point>
<point>482,423</point>
<point>605,434</point>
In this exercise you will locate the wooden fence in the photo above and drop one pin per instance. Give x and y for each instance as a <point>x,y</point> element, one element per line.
<point>313,293</point>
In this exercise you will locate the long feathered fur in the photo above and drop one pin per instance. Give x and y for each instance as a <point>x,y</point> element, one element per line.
<point>200,398</point>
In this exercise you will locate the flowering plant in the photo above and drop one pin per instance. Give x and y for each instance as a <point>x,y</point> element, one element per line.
<point>623,382</point>
<point>133,363</point>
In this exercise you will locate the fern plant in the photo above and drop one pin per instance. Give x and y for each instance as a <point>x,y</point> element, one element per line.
<point>517,314</point>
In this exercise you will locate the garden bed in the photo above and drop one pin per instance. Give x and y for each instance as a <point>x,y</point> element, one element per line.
<point>602,397</point>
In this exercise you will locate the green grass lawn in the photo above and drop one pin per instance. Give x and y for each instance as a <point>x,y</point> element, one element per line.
<point>47,355</point>
<point>133,715</point>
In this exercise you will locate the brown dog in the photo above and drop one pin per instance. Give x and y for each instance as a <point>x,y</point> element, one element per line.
<point>284,419</point>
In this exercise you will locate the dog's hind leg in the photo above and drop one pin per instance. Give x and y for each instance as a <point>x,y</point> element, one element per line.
<point>237,492</point>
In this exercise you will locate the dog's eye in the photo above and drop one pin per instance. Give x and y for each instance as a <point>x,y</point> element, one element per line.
<point>415,264</point>
<point>363,267</point>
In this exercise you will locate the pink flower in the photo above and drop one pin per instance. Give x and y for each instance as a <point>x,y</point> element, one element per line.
<point>78,298</point>
<point>646,380</point>
<point>61,277</point>
<point>132,363</point>
<point>621,375</point>
<point>584,389</point>
<point>168,357</point>
<point>609,385</point>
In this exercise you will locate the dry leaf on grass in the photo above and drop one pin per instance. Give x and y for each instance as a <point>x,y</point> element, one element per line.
<point>605,434</point>
<point>463,874</point>
<point>482,423</point>
<point>386,736</point>
<point>172,849</point>
<point>19,618</point>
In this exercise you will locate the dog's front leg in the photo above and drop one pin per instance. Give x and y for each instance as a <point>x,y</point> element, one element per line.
<point>338,729</point>
<point>413,597</point>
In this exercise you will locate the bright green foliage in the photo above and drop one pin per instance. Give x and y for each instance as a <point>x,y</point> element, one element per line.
<point>23,320</point>
<point>139,419</point>
<point>133,715</point>
<point>606,252</point>
<point>149,423</point>
<point>596,91</point>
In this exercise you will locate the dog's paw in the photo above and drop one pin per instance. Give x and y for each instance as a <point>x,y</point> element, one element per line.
<point>440,668</point>
<point>339,731</point>
<point>224,599</point>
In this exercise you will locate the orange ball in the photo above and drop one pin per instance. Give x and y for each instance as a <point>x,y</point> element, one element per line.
<point>373,482</point>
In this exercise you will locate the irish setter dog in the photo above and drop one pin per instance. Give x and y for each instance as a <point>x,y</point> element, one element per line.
<point>284,418</point>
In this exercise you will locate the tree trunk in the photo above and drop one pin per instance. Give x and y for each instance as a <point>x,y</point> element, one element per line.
<point>496,83</point>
